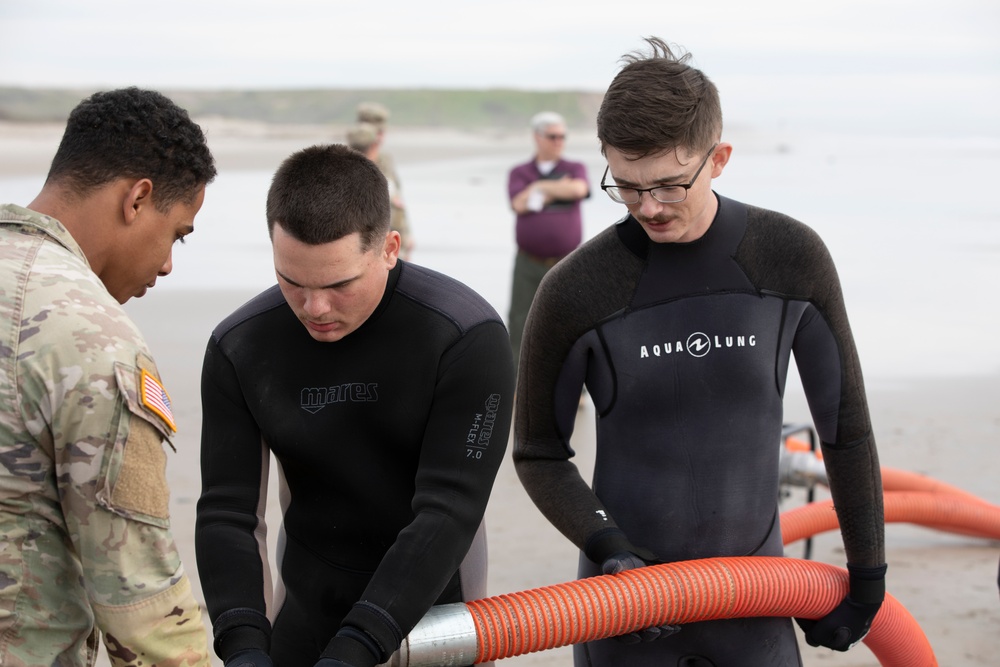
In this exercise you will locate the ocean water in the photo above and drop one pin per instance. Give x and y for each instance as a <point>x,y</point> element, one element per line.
<point>913,224</point>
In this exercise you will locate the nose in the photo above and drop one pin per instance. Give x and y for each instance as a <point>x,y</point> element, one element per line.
<point>316,304</point>
<point>168,265</point>
<point>647,205</point>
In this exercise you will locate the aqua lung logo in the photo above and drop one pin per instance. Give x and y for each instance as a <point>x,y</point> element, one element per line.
<point>697,344</point>
<point>314,399</point>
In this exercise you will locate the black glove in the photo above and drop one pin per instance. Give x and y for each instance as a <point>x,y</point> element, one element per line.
<point>349,648</point>
<point>620,562</point>
<point>851,620</point>
<point>242,638</point>
<point>251,657</point>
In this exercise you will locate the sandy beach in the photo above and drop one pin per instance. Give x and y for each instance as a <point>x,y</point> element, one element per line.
<point>944,426</point>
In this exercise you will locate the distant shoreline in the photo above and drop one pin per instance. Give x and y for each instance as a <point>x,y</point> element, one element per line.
<point>417,107</point>
<point>242,145</point>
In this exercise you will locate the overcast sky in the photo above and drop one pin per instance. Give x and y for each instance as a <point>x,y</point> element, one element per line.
<point>829,54</point>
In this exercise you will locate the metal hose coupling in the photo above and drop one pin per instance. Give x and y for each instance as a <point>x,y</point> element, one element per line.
<point>445,636</point>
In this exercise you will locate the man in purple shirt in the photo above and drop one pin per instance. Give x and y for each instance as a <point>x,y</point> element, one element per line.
<point>545,192</point>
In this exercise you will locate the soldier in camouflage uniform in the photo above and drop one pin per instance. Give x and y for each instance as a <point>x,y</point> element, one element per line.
<point>85,542</point>
<point>377,115</point>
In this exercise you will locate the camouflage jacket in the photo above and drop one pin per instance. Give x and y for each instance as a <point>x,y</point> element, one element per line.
<point>398,219</point>
<point>85,543</point>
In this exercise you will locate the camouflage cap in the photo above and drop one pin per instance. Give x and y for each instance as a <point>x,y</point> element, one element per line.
<point>374,113</point>
<point>360,137</point>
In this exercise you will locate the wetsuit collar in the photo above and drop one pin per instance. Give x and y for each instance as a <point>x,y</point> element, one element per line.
<point>390,289</point>
<point>632,235</point>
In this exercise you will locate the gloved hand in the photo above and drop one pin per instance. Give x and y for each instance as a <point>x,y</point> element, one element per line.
<point>851,620</point>
<point>350,647</point>
<point>620,562</point>
<point>251,657</point>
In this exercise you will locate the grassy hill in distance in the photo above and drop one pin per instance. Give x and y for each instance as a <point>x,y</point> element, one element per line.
<point>462,109</point>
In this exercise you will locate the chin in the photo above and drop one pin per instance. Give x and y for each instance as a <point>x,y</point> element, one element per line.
<point>331,337</point>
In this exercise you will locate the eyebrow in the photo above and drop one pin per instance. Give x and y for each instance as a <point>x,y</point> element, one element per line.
<point>660,182</point>
<point>339,283</point>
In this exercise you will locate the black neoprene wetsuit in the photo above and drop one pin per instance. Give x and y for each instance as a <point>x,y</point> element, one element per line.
<point>684,348</point>
<point>387,441</point>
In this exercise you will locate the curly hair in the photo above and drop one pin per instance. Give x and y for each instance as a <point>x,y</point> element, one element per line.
<point>658,103</point>
<point>133,133</point>
<point>326,192</point>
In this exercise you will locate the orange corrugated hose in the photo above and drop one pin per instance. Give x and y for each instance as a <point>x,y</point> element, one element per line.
<point>956,513</point>
<point>904,480</point>
<point>894,479</point>
<point>684,592</point>
<point>918,511</point>
<point>716,588</point>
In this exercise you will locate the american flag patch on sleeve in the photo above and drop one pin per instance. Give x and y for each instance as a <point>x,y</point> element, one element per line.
<point>155,397</point>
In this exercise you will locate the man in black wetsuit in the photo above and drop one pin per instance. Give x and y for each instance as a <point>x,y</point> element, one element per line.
<point>681,319</point>
<point>384,391</point>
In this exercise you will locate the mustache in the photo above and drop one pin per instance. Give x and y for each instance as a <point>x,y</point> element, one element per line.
<point>660,218</point>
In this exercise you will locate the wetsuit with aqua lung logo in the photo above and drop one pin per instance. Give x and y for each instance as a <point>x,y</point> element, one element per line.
<point>684,348</point>
<point>387,443</point>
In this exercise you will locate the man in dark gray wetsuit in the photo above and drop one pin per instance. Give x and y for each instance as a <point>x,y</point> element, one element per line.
<point>681,320</point>
<point>384,391</point>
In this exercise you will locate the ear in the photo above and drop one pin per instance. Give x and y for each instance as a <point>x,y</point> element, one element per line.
<point>390,251</point>
<point>721,158</point>
<point>138,197</point>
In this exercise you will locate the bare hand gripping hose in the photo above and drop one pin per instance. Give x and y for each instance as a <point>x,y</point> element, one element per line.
<point>585,610</point>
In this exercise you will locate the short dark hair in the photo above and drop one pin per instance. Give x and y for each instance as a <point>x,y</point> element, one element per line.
<point>658,103</point>
<point>326,192</point>
<point>133,133</point>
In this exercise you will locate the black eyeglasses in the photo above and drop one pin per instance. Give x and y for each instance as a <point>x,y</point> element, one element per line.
<point>555,137</point>
<point>665,194</point>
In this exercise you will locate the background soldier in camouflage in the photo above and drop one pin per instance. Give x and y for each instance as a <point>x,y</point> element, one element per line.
<point>378,116</point>
<point>85,543</point>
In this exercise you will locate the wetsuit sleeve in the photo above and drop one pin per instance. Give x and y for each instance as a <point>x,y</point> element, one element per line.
<point>829,367</point>
<point>567,501</point>
<point>831,377</point>
<point>463,446</point>
<point>560,348</point>
<point>231,553</point>
<point>552,480</point>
